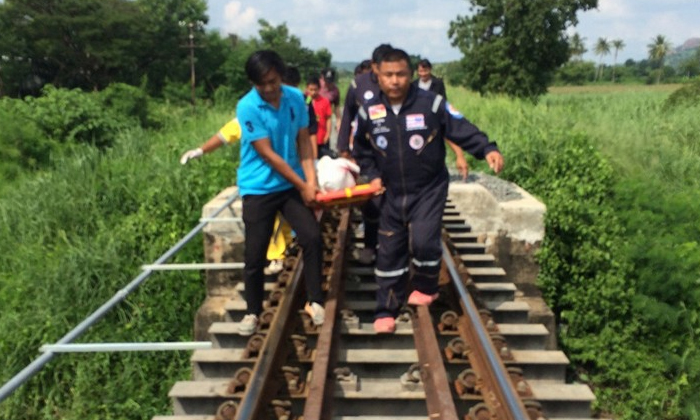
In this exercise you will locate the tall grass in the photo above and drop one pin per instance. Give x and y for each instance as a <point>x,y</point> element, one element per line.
<point>72,238</point>
<point>650,368</point>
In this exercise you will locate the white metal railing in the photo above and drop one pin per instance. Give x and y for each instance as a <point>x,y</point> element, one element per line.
<point>63,346</point>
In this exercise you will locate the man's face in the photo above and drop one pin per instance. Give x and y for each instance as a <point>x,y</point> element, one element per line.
<point>394,80</point>
<point>424,73</point>
<point>270,87</point>
<point>312,90</point>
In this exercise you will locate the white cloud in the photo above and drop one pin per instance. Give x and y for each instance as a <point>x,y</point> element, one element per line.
<point>240,20</point>
<point>351,29</point>
<point>613,9</point>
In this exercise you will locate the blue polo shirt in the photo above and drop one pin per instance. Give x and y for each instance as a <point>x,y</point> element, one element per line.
<point>260,120</point>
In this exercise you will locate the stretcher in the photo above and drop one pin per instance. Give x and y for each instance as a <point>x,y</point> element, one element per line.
<point>353,195</point>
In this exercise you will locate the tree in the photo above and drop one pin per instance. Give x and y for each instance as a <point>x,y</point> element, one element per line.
<point>290,49</point>
<point>658,50</point>
<point>601,49</point>
<point>618,45</point>
<point>71,43</point>
<point>514,47</point>
<point>577,47</point>
<point>165,56</point>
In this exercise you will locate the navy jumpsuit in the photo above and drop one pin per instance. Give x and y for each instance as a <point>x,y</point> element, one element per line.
<point>362,89</point>
<point>407,151</point>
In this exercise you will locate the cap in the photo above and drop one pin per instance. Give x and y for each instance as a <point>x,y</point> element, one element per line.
<point>328,75</point>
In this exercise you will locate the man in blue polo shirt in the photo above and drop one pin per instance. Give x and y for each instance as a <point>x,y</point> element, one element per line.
<point>276,173</point>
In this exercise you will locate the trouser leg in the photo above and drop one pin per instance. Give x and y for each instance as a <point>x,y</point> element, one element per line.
<point>259,218</point>
<point>308,231</point>
<point>426,235</point>
<point>392,265</point>
<point>370,216</point>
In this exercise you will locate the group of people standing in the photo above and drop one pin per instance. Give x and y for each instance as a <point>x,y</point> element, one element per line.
<point>394,128</point>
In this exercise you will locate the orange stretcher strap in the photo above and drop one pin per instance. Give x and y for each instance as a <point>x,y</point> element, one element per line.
<point>355,194</point>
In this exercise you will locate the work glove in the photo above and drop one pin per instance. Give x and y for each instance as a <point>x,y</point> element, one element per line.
<point>191,154</point>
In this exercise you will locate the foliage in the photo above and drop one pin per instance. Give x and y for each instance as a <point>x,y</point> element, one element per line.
<point>620,259</point>
<point>64,43</point>
<point>23,147</point>
<point>290,49</point>
<point>127,102</point>
<point>575,73</point>
<point>514,47</point>
<point>688,95</point>
<point>75,236</point>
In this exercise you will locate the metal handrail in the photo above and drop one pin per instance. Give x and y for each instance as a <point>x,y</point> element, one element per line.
<point>512,400</point>
<point>34,367</point>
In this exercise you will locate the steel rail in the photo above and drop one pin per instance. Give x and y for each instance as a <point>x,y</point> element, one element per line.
<point>257,392</point>
<point>320,394</point>
<point>504,393</point>
<point>36,365</point>
<point>438,394</point>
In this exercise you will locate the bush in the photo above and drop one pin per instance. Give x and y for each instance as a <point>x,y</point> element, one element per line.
<point>687,96</point>
<point>22,145</point>
<point>72,116</point>
<point>128,102</point>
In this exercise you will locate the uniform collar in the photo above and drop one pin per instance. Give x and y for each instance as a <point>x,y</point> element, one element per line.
<point>409,100</point>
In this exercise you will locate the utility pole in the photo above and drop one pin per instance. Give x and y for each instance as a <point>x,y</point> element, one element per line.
<point>190,44</point>
<point>190,26</point>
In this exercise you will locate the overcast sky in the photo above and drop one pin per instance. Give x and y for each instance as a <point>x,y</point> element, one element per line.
<point>351,29</point>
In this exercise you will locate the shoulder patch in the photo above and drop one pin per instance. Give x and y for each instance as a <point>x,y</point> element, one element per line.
<point>452,110</point>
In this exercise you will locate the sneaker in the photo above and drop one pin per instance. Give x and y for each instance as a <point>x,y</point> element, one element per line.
<point>316,312</point>
<point>366,256</point>
<point>248,325</point>
<point>274,267</point>
<point>386,325</point>
<point>421,299</point>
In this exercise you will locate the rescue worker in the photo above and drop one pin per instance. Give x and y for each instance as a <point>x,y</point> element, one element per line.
<point>363,88</point>
<point>399,145</point>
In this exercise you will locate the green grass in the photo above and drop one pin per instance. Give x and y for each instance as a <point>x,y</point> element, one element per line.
<point>619,265</point>
<point>77,235</point>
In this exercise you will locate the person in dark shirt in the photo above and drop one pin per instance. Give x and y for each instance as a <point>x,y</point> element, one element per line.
<point>293,78</point>
<point>399,145</point>
<point>427,81</point>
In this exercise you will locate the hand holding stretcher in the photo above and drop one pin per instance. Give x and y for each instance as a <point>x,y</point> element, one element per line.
<point>336,179</point>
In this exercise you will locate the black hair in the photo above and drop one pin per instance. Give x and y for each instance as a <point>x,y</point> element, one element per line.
<point>425,63</point>
<point>261,62</point>
<point>379,52</point>
<point>291,76</point>
<point>313,80</point>
<point>395,55</point>
<point>328,74</point>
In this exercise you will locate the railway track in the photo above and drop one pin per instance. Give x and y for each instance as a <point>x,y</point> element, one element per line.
<point>471,355</point>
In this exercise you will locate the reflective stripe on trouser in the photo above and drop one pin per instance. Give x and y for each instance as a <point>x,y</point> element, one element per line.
<point>418,237</point>
<point>409,226</point>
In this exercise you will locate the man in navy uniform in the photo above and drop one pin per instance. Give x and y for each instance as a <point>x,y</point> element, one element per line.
<point>399,145</point>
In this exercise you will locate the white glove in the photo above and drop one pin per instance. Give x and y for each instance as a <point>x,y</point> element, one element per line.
<point>191,154</point>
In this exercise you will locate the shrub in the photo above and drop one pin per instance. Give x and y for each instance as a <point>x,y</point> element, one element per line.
<point>687,96</point>
<point>126,101</point>
<point>69,116</point>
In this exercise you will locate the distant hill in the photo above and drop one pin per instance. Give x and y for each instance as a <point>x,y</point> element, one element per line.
<point>348,66</point>
<point>683,52</point>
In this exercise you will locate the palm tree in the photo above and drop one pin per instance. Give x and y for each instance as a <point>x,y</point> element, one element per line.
<point>658,50</point>
<point>577,47</point>
<point>602,48</point>
<point>618,45</point>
